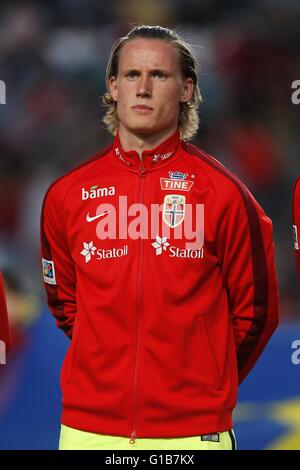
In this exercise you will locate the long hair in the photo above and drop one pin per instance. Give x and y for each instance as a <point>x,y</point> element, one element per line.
<point>188,121</point>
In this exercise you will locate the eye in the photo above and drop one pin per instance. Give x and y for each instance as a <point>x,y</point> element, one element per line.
<point>132,74</point>
<point>159,75</point>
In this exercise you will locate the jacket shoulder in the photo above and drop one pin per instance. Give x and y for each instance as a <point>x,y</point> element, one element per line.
<point>59,187</point>
<point>224,180</point>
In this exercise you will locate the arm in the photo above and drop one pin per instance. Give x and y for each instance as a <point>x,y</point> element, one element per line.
<point>247,261</point>
<point>296,224</point>
<point>57,263</point>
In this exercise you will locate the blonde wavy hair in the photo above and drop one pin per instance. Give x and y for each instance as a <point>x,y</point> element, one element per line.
<point>188,122</point>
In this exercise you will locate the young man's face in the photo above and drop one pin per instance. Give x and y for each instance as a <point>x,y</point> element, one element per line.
<point>149,87</point>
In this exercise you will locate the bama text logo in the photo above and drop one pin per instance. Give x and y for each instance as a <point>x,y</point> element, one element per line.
<point>94,192</point>
<point>161,244</point>
<point>90,250</point>
<point>2,92</point>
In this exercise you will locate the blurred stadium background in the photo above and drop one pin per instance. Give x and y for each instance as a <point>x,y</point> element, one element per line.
<point>52,60</point>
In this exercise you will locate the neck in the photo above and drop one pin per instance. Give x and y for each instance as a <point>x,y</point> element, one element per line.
<point>139,142</point>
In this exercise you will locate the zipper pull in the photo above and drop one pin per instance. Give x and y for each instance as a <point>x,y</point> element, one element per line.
<point>132,437</point>
<point>142,169</point>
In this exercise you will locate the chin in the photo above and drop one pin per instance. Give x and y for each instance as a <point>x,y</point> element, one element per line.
<point>143,129</point>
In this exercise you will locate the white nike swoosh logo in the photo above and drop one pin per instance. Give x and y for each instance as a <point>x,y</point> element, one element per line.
<point>91,219</point>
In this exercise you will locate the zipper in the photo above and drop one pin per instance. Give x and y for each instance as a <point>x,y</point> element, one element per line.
<point>142,173</point>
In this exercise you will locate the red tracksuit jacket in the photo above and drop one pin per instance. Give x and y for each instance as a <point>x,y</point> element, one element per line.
<point>5,340</point>
<point>296,223</point>
<point>161,333</point>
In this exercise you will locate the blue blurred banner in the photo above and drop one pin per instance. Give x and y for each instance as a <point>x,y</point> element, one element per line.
<point>30,403</point>
<point>267,417</point>
<point>268,414</point>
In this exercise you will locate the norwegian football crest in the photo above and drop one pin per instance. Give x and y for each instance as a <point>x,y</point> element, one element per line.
<point>174,209</point>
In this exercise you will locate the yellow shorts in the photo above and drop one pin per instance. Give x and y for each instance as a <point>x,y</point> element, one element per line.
<point>75,439</point>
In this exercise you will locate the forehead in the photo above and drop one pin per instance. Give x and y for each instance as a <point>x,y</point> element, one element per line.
<point>150,53</point>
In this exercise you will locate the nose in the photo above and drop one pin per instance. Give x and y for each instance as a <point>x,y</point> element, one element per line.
<point>144,87</point>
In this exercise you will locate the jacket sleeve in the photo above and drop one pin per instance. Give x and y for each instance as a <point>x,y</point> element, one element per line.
<point>57,263</point>
<point>296,224</point>
<point>246,253</point>
<point>5,337</point>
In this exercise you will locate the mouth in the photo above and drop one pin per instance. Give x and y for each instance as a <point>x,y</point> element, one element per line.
<point>142,109</point>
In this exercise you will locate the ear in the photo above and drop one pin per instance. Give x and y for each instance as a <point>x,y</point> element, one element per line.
<point>113,88</point>
<point>187,91</point>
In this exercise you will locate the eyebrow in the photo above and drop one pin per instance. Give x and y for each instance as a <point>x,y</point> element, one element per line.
<point>163,71</point>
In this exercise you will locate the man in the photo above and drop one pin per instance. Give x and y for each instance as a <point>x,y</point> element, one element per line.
<point>296,223</point>
<point>4,328</point>
<point>158,264</point>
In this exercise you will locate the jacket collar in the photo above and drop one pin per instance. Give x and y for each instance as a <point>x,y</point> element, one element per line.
<point>151,158</point>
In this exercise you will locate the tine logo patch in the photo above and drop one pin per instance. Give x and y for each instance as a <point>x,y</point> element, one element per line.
<point>176,180</point>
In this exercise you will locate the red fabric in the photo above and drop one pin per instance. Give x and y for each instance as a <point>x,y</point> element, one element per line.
<point>159,342</point>
<point>296,223</point>
<point>4,328</point>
